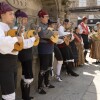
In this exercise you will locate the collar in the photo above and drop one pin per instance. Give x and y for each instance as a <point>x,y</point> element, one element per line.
<point>4,26</point>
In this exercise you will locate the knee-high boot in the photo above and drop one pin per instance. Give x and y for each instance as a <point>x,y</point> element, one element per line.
<point>25,89</point>
<point>46,80</point>
<point>40,80</point>
<point>40,83</point>
<point>22,88</point>
<point>69,70</point>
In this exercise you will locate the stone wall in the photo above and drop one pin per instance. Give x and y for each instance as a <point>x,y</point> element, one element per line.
<point>31,7</point>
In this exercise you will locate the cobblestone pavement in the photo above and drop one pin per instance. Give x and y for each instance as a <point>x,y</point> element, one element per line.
<point>84,87</point>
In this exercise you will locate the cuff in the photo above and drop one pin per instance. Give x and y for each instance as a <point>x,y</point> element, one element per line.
<point>15,39</point>
<point>33,38</point>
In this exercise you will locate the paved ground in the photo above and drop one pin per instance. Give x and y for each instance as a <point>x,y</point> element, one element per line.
<point>84,87</point>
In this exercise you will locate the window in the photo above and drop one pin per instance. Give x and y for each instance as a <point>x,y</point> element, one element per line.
<point>82,3</point>
<point>98,2</point>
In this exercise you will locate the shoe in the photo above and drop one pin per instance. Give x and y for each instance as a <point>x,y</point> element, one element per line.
<point>41,91</point>
<point>50,86</point>
<point>95,62</point>
<point>86,61</point>
<point>73,74</point>
<point>58,79</point>
<point>98,61</point>
<point>70,71</point>
<point>31,98</point>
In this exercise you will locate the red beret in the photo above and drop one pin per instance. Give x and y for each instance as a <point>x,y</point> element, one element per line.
<point>4,7</point>
<point>42,13</point>
<point>84,18</point>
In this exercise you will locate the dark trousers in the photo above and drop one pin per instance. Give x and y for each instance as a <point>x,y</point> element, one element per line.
<point>57,53</point>
<point>7,82</point>
<point>67,55</point>
<point>8,73</point>
<point>86,41</point>
<point>27,69</point>
<point>45,64</point>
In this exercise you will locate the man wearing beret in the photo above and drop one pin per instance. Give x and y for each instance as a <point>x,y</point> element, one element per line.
<point>45,50</point>
<point>65,49</point>
<point>25,56</point>
<point>8,58</point>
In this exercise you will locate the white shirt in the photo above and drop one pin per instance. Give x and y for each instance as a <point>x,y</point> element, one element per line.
<point>28,43</point>
<point>61,31</point>
<point>6,42</point>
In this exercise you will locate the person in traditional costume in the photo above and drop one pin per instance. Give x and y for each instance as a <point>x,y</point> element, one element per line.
<point>97,26</point>
<point>84,31</point>
<point>65,48</point>
<point>25,56</point>
<point>73,47</point>
<point>57,54</point>
<point>95,46</point>
<point>80,46</point>
<point>45,51</point>
<point>8,57</point>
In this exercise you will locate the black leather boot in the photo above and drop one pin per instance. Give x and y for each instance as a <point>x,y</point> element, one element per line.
<point>70,71</point>
<point>40,82</point>
<point>46,77</point>
<point>25,89</point>
<point>40,79</point>
<point>46,80</point>
<point>22,88</point>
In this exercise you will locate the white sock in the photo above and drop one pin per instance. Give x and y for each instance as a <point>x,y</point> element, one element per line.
<point>59,65</point>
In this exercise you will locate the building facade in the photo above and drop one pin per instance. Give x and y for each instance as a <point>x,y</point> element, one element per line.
<point>80,8</point>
